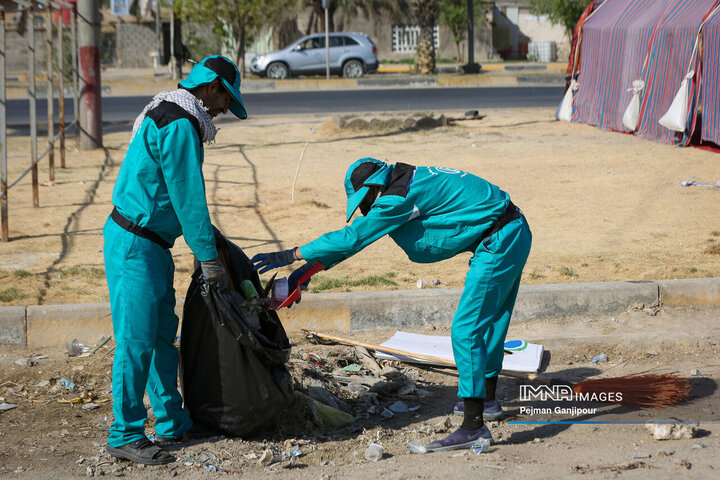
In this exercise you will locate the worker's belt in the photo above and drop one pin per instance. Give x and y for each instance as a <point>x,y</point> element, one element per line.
<point>126,224</point>
<point>511,213</point>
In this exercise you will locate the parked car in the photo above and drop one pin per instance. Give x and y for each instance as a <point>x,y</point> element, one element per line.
<point>351,55</point>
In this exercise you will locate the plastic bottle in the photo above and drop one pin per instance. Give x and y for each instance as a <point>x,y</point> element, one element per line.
<point>248,290</point>
<point>374,452</point>
<point>481,445</point>
<point>600,358</point>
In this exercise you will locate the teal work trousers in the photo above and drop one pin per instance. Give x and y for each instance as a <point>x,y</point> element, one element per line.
<point>481,321</point>
<point>142,299</point>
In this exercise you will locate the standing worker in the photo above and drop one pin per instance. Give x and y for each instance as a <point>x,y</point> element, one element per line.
<point>435,213</point>
<point>158,196</point>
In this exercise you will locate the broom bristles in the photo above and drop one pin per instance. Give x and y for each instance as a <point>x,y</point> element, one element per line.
<point>643,391</point>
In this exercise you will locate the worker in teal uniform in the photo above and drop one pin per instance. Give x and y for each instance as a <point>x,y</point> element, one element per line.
<point>435,213</point>
<point>158,196</point>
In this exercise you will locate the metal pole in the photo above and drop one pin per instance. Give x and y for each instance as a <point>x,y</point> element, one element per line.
<point>32,96</point>
<point>50,90</point>
<point>471,32</point>
<point>173,60</point>
<point>74,61</point>
<point>158,31</point>
<point>3,134</point>
<point>61,87</point>
<point>327,44</point>
<point>89,56</point>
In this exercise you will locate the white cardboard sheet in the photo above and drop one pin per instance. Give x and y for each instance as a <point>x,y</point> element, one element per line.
<point>526,360</point>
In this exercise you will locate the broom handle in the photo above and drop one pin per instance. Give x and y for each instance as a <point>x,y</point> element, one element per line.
<point>533,377</point>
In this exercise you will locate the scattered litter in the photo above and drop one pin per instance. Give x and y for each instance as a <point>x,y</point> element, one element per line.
<point>417,446</point>
<point>436,282</point>
<point>600,358</point>
<point>210,468</point>
<point>422,283</point>
<point>4,406</point>
<point>374,452</point>
<point>67,383</point>
<point>267,458</point>
<point>90,406</point>
<point>652,353</point>
<point>641,455</point>
<point>695,183</point>
<point>671,431</point>
<point>76,348</point>
<point>294,451</point>
<point>695,372</point>
<point>611,468</point>
<point>353,367</point>
<point>683,464</point>
<point>399,407</point>
<point>43,383</point>
<point>387,413</point>
<point>480,446</point>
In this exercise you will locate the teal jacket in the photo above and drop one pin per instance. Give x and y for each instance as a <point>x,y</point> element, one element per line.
<point>432,213</point>
<point>161,186</point>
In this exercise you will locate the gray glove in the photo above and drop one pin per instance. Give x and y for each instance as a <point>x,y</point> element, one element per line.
<point>214,272</point>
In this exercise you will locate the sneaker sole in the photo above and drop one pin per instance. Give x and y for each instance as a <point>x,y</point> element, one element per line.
<point>486,416</point>
<point>119,453</point>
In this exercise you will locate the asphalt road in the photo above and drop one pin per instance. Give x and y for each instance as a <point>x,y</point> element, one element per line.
<point>119,109</point>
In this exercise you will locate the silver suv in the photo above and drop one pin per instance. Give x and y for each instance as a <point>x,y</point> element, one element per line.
<point>351,55</point>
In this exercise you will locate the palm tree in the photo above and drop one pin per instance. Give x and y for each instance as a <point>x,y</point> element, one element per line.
<point>426,13</point>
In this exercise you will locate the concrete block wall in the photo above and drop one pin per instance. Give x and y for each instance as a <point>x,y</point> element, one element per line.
<point>135,43</point>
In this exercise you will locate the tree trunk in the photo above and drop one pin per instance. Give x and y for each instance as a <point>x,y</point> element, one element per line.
<point>459,52</point>
<point>285,33</point>
<point>426,12</point>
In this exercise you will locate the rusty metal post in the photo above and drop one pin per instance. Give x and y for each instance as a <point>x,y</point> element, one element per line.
<point>32,97</point>
<point>61,87</point>
<point>3,134</point>
<point>50,90</point>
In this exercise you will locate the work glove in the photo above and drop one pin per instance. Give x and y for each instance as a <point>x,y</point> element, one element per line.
<point>269,261</point>
<point>214,273</point>
<point>295,277</point>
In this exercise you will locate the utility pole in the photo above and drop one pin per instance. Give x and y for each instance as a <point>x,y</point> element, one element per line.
<point>471,66</point>
<point>89,59</point>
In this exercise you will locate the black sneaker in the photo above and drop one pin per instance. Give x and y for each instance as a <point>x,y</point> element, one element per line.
<point>491,410</point>
<point>141,451</point>
<point>461,438</point>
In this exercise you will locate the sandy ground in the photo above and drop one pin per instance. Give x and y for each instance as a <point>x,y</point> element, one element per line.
<point>602,206</point>
<point>44,438</point>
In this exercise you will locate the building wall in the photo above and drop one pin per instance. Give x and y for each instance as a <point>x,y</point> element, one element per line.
<point>134,45</point>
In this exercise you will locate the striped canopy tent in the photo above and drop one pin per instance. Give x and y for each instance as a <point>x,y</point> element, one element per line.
<point>670,57</point>
<point>710,75</point>
<point>614,46</point>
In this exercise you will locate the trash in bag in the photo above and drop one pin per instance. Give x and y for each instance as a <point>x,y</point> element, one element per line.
<point>233,352</point>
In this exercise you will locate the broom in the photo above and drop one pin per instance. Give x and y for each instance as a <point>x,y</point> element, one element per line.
<point>638,390</point>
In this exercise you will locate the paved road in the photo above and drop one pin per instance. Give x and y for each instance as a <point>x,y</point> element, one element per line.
<point>125,108</point>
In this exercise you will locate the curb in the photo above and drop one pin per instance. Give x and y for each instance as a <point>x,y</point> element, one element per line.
<point>47,325</point>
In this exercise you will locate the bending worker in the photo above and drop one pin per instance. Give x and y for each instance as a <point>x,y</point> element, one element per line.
<point>158,196</point>
<point>435,213</point>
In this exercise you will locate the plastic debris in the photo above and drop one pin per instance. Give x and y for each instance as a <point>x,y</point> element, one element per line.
<point>267,458</point>
<point>422,283</point>
<point>67,383</point>
<point>480,446</point>
<point>600,358</point>
<point>76,348</point>
<point>436,282</point>
<point>387,413</point>
<point>4,406</point>
<point>417,446</point>
<point>353,367</point>
<point>374,452</point>
<point>399,407</point>
<point>210,468</point>
<point>294,451</point>
<point>90,406</point>
<point>670,431</point>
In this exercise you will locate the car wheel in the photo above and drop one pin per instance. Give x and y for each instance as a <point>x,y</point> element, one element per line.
<point>353,69</point>
<point>277,70</point>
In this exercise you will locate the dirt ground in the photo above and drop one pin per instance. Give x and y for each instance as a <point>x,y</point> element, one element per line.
<point>44,438</point>
<point>602,206</point>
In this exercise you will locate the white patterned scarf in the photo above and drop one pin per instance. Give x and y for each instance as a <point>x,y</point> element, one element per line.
<point>188,102</point>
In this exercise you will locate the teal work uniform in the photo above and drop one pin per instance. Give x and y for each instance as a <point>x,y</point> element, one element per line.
<point>160,187</point>
<point>435,213</point>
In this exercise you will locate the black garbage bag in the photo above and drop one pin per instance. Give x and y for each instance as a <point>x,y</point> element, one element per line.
<point>232,352</point>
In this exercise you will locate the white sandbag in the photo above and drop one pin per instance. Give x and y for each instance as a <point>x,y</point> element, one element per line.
<point>676,116</point>
<point>564,111</point>
<point>632,112</point>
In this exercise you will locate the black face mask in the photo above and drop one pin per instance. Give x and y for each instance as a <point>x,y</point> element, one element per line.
<point>369,199</point>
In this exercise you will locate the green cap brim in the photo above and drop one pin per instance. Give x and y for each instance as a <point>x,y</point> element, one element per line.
<point>200,75</point>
